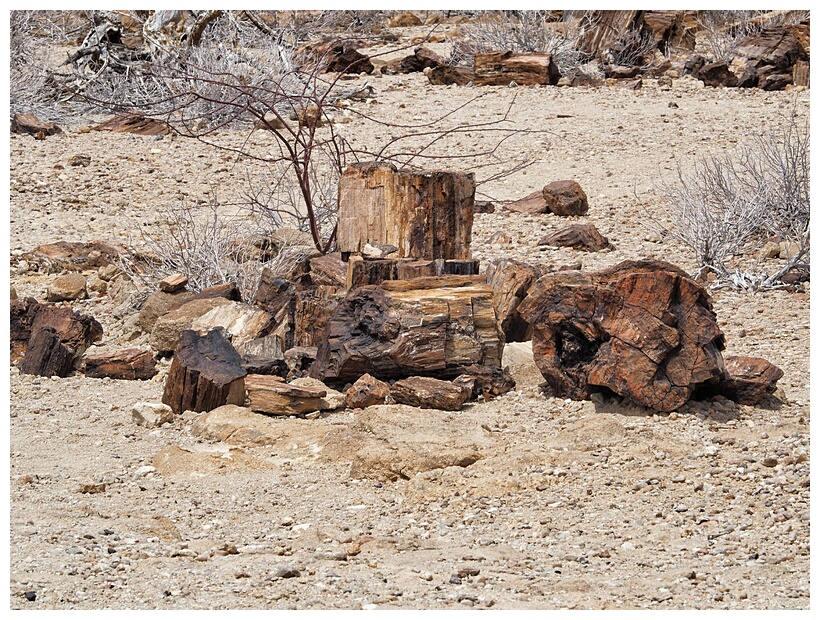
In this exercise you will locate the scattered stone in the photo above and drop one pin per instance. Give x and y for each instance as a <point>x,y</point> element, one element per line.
<point>430,393</point>
<point>168,327</point>
<point>532,204</point>
<point>72,256</point>
<point>67,288</point>
<point>287,572</point>
<point>378,250</point>
<point>271,395</point>
<point>404,20</point>
<point>446,75</point>
<point>79,160</point>
<point>133,364</point>
<point>151,415</point>
<point>173,283</point>
<point>499,238</point>
<point>565,198</point>
<point>244,322</point>
<point>30,124</point>
<point>30,595</point>
<point>156,305</point>
<point>578,236</point>
<point>750,379</point>
<point>366,391</point>
<point>332,399</point>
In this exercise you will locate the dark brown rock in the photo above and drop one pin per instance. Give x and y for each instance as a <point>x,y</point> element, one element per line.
<point>486,381</point>
<point>30,124</point>
<point>206,372</point>
<point>445,75</point>
<point>430,393</point>
<point>28,316</point>
<point>717,74</point>
<point>642,329</point>
<point>46,355</point>
<point>578,236</point>
<point>328,270</point>
<point>366,391</point>
<point>135,364</point>
<point>565,198</point>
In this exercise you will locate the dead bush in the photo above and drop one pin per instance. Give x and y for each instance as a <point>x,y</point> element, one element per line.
<point>729,204</point>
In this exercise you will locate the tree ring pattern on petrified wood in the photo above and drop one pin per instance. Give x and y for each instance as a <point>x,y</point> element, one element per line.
<point>642,329</point>
<point>394,334</point>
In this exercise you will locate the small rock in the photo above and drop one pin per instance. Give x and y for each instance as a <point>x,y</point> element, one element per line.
<point>67,288</point>
<point>500,238</point>
<point>151,415</point>
<point>30,595</point>
<point>770,461</point>
<point>79,160</point>
<point>287,572</point>
<point>565,198</point>
<point>366,391</point>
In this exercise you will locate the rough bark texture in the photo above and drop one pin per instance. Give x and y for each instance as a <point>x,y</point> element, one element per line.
<point>124,364</point>
<point>511,280</point>
<point>312,310</point>
<point>443,76</point>
<point>271,395</point>
<point>427,331</point>
<point>501,68</point>
<point>426,215</point>
<point>206,373</point>
<point>430,393</point>
<point>46,355</point>
<point>641,329</point>
<point>28,316</point>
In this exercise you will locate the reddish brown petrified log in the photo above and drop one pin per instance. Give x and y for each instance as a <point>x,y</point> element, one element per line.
<point>125,364</point>
<point>271,395</point>
<point>206,373</point>
<point>641,329</point>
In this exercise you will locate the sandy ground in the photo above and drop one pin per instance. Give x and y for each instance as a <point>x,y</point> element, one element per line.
<point>587,505</point>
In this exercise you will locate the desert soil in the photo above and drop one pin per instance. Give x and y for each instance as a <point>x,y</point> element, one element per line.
<point>587,505</point>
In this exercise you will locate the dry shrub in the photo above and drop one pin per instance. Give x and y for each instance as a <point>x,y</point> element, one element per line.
<point>727,206</point>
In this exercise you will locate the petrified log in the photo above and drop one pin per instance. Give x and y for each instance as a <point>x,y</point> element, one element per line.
<point>335,55</point>
<point>510,280</point>
<point>426,215</point>
<point>461,267</point>
<point>583,237</point>
<point>409,269</point>
<point>424,331</point>
<point>271,395</point>
<point>751,379</point>
<point>136,123</point>
<point>258,365</point>
<point>311,313</point>
<point>641,329</point>
<point>485,380</point>
<point>206,373</point>
<point>46,355</point>
<point>28,316</point>
<point>501,68</point>
<point>328,270</point>
<point>135,364</point>
<point>430,393</point>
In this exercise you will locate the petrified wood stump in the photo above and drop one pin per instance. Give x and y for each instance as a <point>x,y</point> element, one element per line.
<point>398,333</point>
<point>206,373</point>
<point>641,329</point>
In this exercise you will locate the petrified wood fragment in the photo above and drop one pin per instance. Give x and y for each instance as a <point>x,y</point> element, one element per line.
<point>206,373</point>
<point>124,364</point>
<point>641,329</point>
<point>430,393</point>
